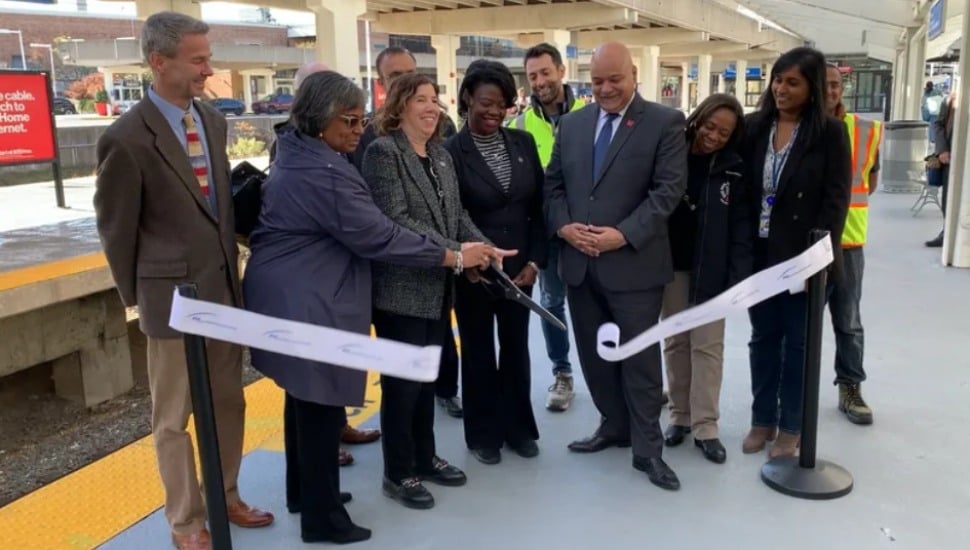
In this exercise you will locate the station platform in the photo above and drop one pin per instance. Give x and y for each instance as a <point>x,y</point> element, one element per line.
<point>909,466</point>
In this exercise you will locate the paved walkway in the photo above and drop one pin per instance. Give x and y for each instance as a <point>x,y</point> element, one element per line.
<point>909,467</point>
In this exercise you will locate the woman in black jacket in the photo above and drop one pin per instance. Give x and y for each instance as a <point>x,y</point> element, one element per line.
<point>500,178</point>
<point>710,240</point>
<point>797,161</point>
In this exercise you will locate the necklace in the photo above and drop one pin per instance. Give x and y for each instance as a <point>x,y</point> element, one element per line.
<point>435,181</point>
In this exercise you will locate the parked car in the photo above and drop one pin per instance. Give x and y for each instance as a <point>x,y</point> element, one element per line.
<point>63,106</point>
<point>272,104</point>
<point>228,106</point>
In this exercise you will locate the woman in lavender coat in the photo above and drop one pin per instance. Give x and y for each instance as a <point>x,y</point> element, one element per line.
<point>318,231</point>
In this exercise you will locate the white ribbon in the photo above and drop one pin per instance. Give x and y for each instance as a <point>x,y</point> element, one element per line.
<point>316,343</point>
<point>787,276</point>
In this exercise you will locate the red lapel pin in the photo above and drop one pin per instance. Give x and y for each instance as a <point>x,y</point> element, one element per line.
<point>629,123</point>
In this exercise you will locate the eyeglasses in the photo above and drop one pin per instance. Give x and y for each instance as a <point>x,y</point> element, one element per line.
<point>354,121</point>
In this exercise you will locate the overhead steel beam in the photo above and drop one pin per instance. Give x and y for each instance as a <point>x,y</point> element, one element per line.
<point>504,20</point>
<point>704,15</point>
<point>641,37</point>
<point>719,48</point>
<point>885,12</point>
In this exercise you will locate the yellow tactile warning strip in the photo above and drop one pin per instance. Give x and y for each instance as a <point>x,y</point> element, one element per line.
<point>92,505</point>
<point>50,270</point>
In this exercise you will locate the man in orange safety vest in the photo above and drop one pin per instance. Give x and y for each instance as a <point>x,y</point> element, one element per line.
<point>864,138</point>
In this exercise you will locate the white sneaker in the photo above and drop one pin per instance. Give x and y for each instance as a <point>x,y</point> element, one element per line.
<point>560,393</point>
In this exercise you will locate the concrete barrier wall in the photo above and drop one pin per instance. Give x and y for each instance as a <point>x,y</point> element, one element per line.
<point>77,143</point>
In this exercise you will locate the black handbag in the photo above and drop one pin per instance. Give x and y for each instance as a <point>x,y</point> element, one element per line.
<point>247,183</point>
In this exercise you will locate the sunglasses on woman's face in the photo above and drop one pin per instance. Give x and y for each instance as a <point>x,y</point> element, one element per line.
<point>354,121</point>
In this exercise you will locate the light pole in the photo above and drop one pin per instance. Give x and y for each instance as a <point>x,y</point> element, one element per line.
<point>50,51</point>
<point>23,60</point>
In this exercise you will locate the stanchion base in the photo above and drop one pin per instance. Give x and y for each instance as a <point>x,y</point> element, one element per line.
<point>823,482</point>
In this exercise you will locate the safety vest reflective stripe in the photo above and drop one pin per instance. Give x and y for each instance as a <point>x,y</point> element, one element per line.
<point>863,160</point>
<point>541,130</point>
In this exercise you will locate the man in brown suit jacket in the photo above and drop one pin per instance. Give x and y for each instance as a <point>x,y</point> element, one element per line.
<point>164,214</point>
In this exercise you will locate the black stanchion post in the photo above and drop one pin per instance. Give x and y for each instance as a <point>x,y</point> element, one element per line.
<point>205,430</point>
<point>56,163</point>
<point>805,476</point>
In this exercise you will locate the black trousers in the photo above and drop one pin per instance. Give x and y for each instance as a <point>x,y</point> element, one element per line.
<point>407,407</point>
<point>312,435</point>
<point>447,383</point>
<point>627,394</point>
<point>496,395</point>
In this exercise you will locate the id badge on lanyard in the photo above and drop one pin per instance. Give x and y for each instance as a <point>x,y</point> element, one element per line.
<point>768,196</point>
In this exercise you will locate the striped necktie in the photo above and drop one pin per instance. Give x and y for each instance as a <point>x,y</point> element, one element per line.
<point>196,154</point>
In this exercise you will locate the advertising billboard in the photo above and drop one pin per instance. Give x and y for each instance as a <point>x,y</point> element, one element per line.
<point>26,120</point>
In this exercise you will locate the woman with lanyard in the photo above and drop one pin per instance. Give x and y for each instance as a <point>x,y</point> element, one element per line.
<point>797,160</point>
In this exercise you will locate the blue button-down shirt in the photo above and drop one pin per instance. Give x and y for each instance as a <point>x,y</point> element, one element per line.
<point>173,115</point>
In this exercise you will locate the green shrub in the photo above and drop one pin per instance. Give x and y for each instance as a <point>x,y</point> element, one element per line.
<point>247,147</point>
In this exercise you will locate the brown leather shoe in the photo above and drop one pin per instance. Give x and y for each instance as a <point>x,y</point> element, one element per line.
<point>344,458</point>
<point>244,515</point>
<point>757,438</point>
<point>353,436</point>
<point>195,541</point>
<point>787,445</point>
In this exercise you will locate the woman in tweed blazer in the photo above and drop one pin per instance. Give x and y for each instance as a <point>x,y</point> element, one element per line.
<point>413,181</point>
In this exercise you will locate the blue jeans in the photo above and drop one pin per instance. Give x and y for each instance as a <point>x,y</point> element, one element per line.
<point>552,296</point>
<point>777,352</point>
<point>846,319</point>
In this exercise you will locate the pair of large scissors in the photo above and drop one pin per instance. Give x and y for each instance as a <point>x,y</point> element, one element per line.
<point>495,276</point>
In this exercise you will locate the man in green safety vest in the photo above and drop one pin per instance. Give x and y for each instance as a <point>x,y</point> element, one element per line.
<point>864,138</point>
<point>550,100</point>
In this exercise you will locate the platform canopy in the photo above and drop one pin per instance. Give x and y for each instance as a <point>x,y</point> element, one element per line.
<point>874,27</point>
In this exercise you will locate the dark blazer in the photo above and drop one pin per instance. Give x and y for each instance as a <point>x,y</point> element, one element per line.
<point>510,220</point>
<point>943,127</point>
<point>813,192</point>
<point>156,227</point>
<point>403,191</point>
<point>723,235</point>
<point>318,231</point>
<point>643,179</point>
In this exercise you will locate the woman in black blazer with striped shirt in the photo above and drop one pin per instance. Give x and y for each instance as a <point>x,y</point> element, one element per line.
<point>500,179</point>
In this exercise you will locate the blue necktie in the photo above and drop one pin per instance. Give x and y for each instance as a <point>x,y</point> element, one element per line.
<point>602,144</point>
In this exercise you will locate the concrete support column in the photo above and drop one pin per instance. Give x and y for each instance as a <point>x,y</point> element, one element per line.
<point>109,86</point>
<point>336,28</point>
<point>561,39</point>
<point>899,84</point>
<point>720,83</point>
<point>446,63</point>
<point>685,87</point>
<point>703,77</point>
<point>647,61</point>
<point>144,8</point>
<point>914,76</point>
<point>248,91</point>
<point>956,236</point>
<point>741,81</point>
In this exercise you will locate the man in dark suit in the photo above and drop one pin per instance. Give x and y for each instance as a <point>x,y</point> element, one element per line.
<point>164,215</point>
<point>608,197</point>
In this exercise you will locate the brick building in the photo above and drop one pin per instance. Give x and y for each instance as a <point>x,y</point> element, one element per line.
<point>44,28</point>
